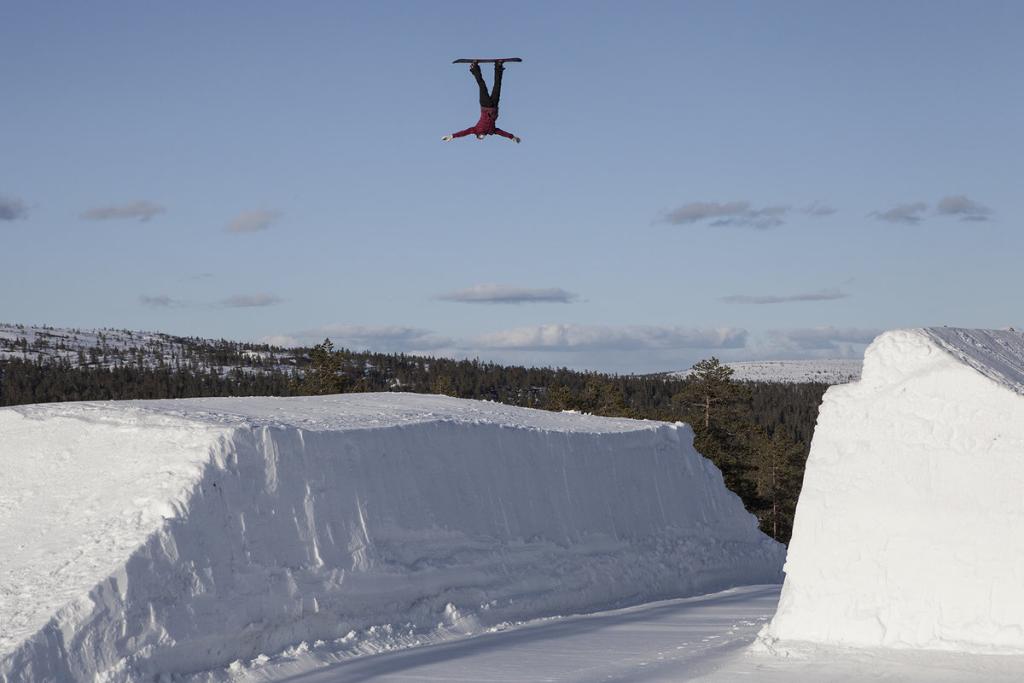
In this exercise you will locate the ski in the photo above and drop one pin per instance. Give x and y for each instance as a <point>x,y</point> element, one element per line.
<point>487,61</point>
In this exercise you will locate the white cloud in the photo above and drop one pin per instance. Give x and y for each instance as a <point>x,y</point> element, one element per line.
<point>142,211</point>
<point>250,300</point>
<point>384,338</point>
<point>739,213</point>
<point>253,221</point>
<point>909,214</point>
<point>282,340</point>
<point>821,295</point>
<point>562,337</point>
<point>963,208</point>
<point>818,209</point>
<point>826,338</point>
<point>160,301</point>
<point>503,294</point>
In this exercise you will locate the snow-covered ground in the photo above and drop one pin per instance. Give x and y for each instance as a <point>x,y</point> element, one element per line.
<point>671,640</point>
<point>710,638</point>
<point>176,537</point>
<point>908,529</point>
<point>837,371</point>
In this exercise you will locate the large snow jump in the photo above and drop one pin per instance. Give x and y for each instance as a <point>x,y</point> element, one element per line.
<point>173,537</point>
<point>908,532</point>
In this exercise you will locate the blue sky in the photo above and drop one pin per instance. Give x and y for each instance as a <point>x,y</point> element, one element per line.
<point>740,179</point>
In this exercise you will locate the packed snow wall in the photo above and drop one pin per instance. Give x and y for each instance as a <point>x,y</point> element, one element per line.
<point>170,537</point>
<point>909,531</point>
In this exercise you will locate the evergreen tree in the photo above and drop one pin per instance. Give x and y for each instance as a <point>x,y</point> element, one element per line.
<point>558,398</point>
<point>718,410</point>
<point>323,376</point>
<point>710,390</point>
<point>443,385</point>
<point>778,473</point>
<point>603,396</point>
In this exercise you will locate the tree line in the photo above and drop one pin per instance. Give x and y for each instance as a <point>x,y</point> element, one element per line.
<point>757,434</point>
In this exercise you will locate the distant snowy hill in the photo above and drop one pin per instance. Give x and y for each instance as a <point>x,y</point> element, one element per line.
<point>109,348</point>
<point>836,371</point>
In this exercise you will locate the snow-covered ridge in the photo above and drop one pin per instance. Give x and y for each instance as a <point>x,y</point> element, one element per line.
<point>908,529</point>
<point>174,537</point>
<point>836,371</point>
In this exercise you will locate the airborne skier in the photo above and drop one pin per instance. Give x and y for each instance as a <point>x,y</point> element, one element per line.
<point>488,105</point>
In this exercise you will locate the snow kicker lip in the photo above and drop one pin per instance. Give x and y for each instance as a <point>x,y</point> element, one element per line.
<point>997,354</point>
<point>185,535</point>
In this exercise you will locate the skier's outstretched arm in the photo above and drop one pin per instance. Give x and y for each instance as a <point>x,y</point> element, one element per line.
<point>506,134</point>
<point>460,134</point>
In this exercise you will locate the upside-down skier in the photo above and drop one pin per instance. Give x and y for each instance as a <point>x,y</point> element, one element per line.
<point>488,107</point>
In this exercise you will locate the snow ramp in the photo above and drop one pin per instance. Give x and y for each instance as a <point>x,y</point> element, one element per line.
<point>909,531</point>
<point>164,538</point>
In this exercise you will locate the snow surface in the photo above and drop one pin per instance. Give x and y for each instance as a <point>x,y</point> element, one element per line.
<point>908,528</point>
<point>836,371</point>
<point>176,537</point>
<point>669,640</point>
<point>705,638</point>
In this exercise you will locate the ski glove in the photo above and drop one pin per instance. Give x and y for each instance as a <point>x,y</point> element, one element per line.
<point>448,138</point>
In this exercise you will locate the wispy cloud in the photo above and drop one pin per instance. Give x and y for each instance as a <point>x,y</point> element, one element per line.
<point>908,214</point>
<point>253,221</point>
<point>502,294</point>
<point>821,295</point>
<point>196,276</point>
<point>826,338</point>
<point>12,209</point>
<point>237,301</point>
<point>388,338</point>
<point>282,340</point>
<point>957,206</point>
<point>142,211</point>
<point>965,209</point>
<point>716,214</point>
<point>250,301</point>
<point>160,301</point>
<point>817,209</point>
<point>562,337</point>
